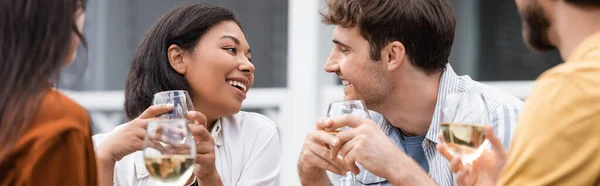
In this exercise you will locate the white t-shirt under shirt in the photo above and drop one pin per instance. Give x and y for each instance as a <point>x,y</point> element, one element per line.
<point>247,153</point>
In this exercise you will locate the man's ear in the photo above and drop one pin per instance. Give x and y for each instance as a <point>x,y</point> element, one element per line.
<point>395,55</point>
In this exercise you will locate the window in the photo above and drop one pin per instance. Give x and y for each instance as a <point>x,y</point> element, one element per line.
<point>114,29</point>
<point>489,46</point>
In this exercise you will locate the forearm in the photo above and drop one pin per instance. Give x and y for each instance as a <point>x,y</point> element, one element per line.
<point>106,168</point>
<point>314,178</point>
<point>423,180</point>
<point>410,174</point>
<point>213,181</point>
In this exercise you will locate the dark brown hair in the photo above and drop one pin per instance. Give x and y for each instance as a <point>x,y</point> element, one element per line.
<point>424,27</point>
<point>35,41</point>
<point>151,71</point>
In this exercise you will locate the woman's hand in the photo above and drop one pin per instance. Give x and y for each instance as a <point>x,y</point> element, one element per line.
<point>130,138</point>
<point>205,170</point>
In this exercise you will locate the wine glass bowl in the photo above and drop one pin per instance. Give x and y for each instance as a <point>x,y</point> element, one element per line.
<point>464,118</point>
<point>352,107</point>
<point>169,151</point>
<point>181,101</point>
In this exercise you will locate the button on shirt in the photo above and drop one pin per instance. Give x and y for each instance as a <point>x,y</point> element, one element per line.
<point>247,153</point>
<point>502,107</point>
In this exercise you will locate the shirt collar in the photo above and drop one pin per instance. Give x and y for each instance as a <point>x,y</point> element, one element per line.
<point>216,132</point>
<point>449,83</point>
<point>590,46</point>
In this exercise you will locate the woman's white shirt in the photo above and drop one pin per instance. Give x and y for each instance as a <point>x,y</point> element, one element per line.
<point>247,153</point>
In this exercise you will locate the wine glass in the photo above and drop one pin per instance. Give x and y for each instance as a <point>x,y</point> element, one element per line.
<point>182,103</point>
<point>169,151</point>
<point>463,120</point>
<point>353,107</point>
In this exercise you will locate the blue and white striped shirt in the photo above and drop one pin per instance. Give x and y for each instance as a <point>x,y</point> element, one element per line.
<point>503,109</point>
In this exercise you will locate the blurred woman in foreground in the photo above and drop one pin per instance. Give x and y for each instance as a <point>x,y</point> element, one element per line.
<point>45,138</point>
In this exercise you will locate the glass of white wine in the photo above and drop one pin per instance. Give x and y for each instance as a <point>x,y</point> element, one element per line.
<point>463,120</point>
<point>353,107</point>
<point>169,151</point>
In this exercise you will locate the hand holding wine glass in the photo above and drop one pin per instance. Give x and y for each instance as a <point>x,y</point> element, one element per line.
<point>181,101</point>
<point>205,169</point>
<point>353,107</point>
<point>364,143</point>
<point>130,137</point>
<point>369,146</point>
<point>466,133</point>
<point>485,170</point>
<point>361,142</point>
<point>463,120</point>
<point>315,158</point>
<point>170,162</point>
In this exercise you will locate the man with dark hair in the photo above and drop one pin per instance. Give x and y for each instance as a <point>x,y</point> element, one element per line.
<point>393,54</point>
<point>558,132</point>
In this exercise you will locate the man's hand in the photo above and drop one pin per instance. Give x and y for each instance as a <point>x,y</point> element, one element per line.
<point>316,157</point>
<point>484,170</point>
<point>368,145</point>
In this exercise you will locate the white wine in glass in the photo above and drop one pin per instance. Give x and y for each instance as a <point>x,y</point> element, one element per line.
<point>336,131</point>
<point>169,151</point>
<point>464,119</point>
<point>463,138</point>
<point>169,168</point>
